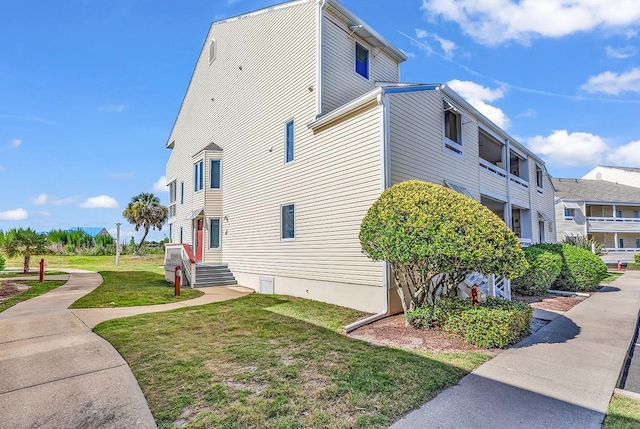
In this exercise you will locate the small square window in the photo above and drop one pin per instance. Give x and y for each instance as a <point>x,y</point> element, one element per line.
<point>215,174</point>
<point>288,222</point>
<point>362,61</point>
<point>289,154</point>
<point>569,213</point>
<point>214,234</point>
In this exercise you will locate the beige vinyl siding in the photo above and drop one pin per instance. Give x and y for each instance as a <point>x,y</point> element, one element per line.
<point>416,143</point>
<point>568,227</point>
<point>493,183</point>
<point>212,208</point>
<point>333,181</point>
<point>541,202</point>
<point>340,82</point>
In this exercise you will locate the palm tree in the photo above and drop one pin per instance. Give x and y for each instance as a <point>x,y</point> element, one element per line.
<point>145,211</point>
<point>24,242</point>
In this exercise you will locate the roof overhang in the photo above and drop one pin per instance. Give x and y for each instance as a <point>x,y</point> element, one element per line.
<point>195,213</point>
<point>458,188</point>
<point>569,205</point>
<point>544,217</point>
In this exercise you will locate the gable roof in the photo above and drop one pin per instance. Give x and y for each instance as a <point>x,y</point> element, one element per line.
<point>595,190</point>
<point>629,169</point>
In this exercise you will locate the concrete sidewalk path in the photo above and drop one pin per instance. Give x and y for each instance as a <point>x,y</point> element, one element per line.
<point>562,376</point>
<point>56,373</point>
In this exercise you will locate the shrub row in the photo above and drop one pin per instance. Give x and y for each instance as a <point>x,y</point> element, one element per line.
<point>495,323</point>
<point>580,270</point>
<point>633,266</point>
<point>636,258</point>
<point>2,261</point>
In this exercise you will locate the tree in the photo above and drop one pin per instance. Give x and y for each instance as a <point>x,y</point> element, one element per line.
<point>433,237</point>
<point>145,211</point>
<point>26,243</point>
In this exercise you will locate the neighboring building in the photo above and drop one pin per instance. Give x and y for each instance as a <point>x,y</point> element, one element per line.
<point>629,176</point>
<point>293,124</point>
<point>92,231</point>
<point>602,210</point>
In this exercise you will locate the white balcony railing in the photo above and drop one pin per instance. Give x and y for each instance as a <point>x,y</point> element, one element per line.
<point>519,181</point>
<point>613,224</point>
<point>493,169</point>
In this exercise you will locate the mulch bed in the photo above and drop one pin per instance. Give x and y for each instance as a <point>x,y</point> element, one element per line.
<point>9,289</point>
<point>551,302</point>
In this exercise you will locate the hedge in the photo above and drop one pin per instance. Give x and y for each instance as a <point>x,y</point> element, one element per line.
<point>495,323</point>
<point>581,269</point>
<point>633,266</point>
<point>2,261</point>
<point>636,258</point>
<point>544,267</point>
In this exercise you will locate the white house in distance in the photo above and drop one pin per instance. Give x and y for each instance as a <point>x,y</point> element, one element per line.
<point>293,123</point>
<point>629,176</point>
<point>601,210</point>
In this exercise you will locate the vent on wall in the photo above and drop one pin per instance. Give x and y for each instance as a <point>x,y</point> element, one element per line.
<point>266,285</point>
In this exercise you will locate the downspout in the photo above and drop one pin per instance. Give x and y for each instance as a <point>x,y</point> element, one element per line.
<point>385,181</point>
<point>508,164</point>
<point>318,88</point>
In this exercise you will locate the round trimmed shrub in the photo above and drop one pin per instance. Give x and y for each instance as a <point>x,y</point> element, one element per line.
<point>544,267</point>
<point>581,269</point>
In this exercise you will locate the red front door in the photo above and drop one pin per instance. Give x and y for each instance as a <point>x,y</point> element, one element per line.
<point>199,240</point>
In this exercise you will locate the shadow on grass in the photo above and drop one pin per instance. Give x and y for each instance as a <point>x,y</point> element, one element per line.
<point>265,361</point>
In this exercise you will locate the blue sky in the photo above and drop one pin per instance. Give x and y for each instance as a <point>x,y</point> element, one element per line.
<point>89,89</point>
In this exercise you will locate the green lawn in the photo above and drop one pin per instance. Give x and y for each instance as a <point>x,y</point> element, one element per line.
<point>132,288</point>
<point>5,274</point>
<point>97,263</point>
<point>36,288</point>
<point>623,413</point>
<point>269,361</point>
<point>611,276</point>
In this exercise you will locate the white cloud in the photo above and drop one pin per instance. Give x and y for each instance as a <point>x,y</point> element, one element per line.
<point>409,54</point>
<point>614,83</point>
<point>621,53</point>
<point>63,201</point>
<point>160,185</point>
<point>497,21</point>
<point>528,113</point>
<point>625,155</point>
<point>40,200</point>
<point>562,148</point>
<point>112,108</point>
<point>17,214</point>
<point>478,95</point>
<point>447,46</point>
<point>15,143</point>
<point>43,199</point>
<point>100,202</point>
<point>44,214</point>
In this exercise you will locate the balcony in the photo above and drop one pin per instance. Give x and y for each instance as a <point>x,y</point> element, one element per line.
<point>172,211</point>
<point>612,224</point>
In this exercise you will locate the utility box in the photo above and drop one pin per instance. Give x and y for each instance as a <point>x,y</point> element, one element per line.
<point>266,285</point>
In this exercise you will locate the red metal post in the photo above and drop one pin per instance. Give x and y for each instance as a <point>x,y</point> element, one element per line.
<point>178,275</point>
<point>41,270</point>
<point>619,266</point>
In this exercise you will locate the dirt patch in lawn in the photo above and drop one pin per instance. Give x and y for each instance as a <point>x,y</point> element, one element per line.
<point>393,331</point>
<point>9,289</point>
<point>551,302</point>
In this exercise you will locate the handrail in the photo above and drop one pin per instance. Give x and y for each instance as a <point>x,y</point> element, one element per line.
<point>189,253</point>
<point>187,260</point>
<point>492,168</point>
<point>613,219</point>
<point>519,180</point>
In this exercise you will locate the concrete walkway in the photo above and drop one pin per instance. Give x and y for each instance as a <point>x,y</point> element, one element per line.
<point>562,376</point>
<point>56,373</point>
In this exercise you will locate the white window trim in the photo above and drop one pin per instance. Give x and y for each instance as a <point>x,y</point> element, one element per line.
<point>219,248</point>
<point>287,122</point>
<point>211,175</point>
<point>294,222</point>
<point>213,50</point>
<point>355,60</point>
<point>196,177</point>
<point>454,146</point>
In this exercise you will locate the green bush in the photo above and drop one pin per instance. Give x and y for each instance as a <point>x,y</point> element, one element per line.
<point>581,269</point>
<point>544,267</point>
<point>633,265</point>
<point>636,258</point>
<point>495,323</point>
<point>2,261</point>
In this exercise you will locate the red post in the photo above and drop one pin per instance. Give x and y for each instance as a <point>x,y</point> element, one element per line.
<point>41,270</point>
<point>619,266</point>
<point>178,275</point>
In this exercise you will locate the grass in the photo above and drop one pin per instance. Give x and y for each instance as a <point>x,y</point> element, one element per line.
<point>269,361</point>
<point>98,263</point>
<point>611,276</point>
<point>132,288</point>
<point>35,289</point>
<point>623,413</point>
<point>5,274</point>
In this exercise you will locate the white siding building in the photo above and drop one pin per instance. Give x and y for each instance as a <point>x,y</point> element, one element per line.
<point>292,125</point>
<point>629,176</point>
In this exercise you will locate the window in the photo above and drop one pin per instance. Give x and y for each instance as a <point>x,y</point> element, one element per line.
<point>288,222</point>
<point>619,213</point>
<point>214,234</point>
<point>289,142</point>
<point>172,192</point>
<point>180,234</point>
<point>199,176</point>
<point>635,214</point>
<point>539,176</point>
<point>362,61</point>
<point>637,243</point>
<point>541,231</point>
<point>215,174</point>
<point>452,130</point>
<point>212,51</point>
<point>170,233</point>
<point>621,243</point>
<point>181,192</point>
<point>569,213</point>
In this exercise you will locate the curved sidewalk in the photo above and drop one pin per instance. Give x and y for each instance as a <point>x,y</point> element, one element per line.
<point>56,373</point>
<point>562,376</point>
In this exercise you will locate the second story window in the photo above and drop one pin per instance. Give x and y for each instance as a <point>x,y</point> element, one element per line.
<point>215,174</point>
<point>181,192</point>
<point>362,61</point>
<point>172,192</point>
<point>198,176</point>
<point>539,176</point>
<point>452,130</point>
<point>289,154</point>
<point>569,213</point>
